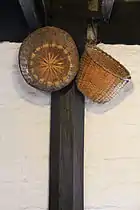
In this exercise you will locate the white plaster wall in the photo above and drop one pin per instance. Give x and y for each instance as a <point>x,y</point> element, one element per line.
<point>24,138</point>
<point>112,133</point>
<point>112,143</point>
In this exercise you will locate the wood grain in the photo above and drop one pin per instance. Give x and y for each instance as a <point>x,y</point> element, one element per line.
<point>67,122</point>
<point>67,149</point>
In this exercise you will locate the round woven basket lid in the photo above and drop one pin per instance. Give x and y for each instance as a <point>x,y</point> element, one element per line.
<point>48,59</point>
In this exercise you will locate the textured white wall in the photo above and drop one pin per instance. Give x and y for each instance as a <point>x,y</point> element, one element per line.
<point>112,158</point>
<point>24,138</point>
<point>112,143</point>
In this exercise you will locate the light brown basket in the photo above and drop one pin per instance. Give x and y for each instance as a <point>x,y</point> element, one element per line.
<point>48,59</point>
<point>100,76</point>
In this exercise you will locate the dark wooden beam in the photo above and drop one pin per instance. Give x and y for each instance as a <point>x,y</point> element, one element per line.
<point>67,122</point>
<point>13,26</point>
<point>67,150</point>
<point>123,27</point>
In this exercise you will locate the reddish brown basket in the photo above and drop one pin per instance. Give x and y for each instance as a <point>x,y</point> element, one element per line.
<point>48,59</point>
<point>100,77</point>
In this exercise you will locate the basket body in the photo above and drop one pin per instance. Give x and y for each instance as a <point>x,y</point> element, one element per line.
<point>100,76</point>
<point>48,59</point>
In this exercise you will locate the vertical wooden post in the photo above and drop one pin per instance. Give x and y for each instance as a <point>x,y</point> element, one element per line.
<point>66,150</point>
<point>67,121</point>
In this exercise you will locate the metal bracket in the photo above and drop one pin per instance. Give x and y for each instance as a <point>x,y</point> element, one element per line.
<point>28,8</point>
<point>106,8</point>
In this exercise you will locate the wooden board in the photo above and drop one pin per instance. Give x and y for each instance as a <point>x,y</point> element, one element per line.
<point>13,26</point>
<point>123,27</point>
<point>67,150</point>
<point>67,125</point>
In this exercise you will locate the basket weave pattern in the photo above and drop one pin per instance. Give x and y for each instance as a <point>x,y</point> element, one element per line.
<point>49,59</point>
<point>100,76</point>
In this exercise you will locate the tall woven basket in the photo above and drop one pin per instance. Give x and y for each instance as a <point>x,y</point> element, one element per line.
<point>100,76</point>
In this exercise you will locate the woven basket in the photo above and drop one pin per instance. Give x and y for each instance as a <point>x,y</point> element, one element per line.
<point>48,59</point>
<point>100,77</point>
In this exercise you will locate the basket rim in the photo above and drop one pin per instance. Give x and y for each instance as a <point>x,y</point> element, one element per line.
<point>126,78</point>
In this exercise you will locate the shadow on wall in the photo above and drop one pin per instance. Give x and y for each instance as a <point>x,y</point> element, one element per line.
<point>102,108</point>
